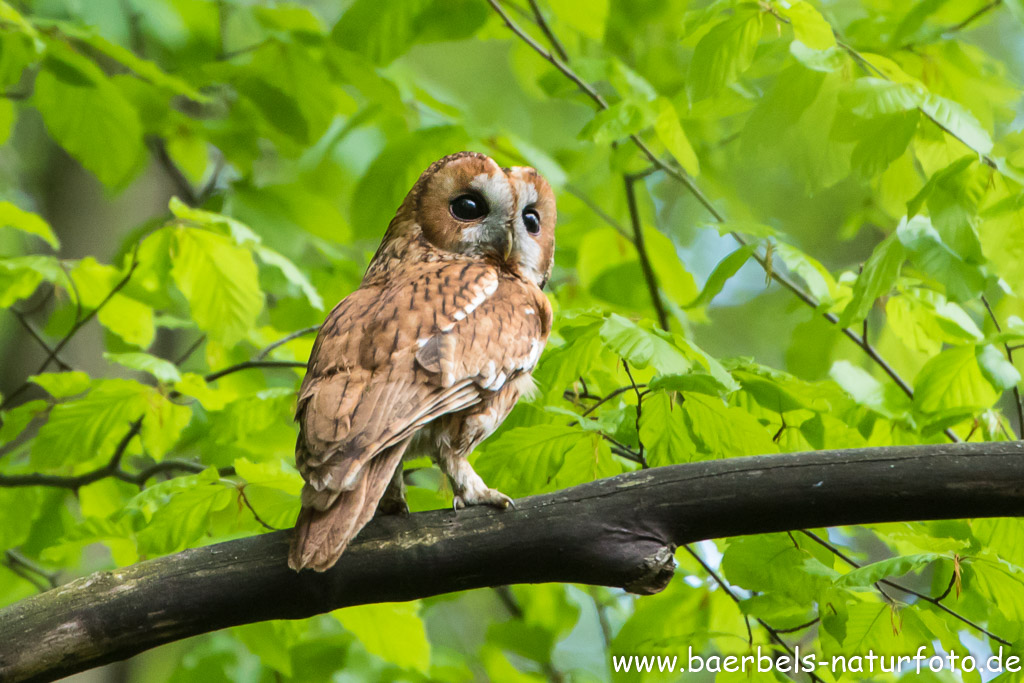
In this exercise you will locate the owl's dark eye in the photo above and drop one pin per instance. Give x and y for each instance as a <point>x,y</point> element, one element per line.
<point>468,207</point>
<point>531,219</point>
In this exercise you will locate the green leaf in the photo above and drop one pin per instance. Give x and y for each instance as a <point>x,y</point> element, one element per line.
<point>525,460</point>
<point>220,282</point>
<point>724,270</point>
<point>88,116</point>
<point>999,585</point>
<point>868,391</point>
<point>292,274</point>
<point>586,16</point>
<point>723,54</point>
<point>19,508</point>
<point>870,574</point>
<point>142,68</point>
<point>825,61</point>
<point>393,631</point>
<point>819,281</point>
<point>240,233</point>
<point>618,121</point>
<point>958,121</point>
<point>701,382</point>
<point>62,384</point>
<point>809,27</point>
<point>670,132</point>
<point>928,252</point>
<point>664,433</point>
<point>183,519</point>
<point>772,562</point>
<point>89,427</point>
<point>13,217</point>
<point>882,140</point>
<point>382,33</point>
<point>722,431</point>
<point>877,279</point>
<point>999,371</point>
<point>21,275</point>
<point>196,386</point>
<point>642,347</point>
<point>128,318</point>
<point>870,97</point>
<point>953,379</point>
<point>14,421</point>
<point>163,370</point>
<point>588,460</point>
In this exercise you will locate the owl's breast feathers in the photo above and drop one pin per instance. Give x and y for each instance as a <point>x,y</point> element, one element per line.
<point>400,352</point>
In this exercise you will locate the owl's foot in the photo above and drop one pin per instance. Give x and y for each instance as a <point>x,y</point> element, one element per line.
<point>482,496</point>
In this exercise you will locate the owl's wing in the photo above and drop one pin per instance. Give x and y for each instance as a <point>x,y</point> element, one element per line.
<point>392,358</point>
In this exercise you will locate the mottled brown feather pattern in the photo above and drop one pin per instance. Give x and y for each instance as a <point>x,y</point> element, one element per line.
<point>434,345</point>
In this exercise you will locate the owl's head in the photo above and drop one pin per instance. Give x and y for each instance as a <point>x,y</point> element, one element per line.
<point>466,203</point>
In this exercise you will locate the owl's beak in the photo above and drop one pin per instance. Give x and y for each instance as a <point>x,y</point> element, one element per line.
<point>509,242</point>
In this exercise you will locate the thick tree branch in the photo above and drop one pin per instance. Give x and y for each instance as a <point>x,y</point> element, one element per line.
<point>614,532</point>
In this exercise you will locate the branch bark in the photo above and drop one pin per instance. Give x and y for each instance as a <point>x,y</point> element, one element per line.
<point>618,532</point>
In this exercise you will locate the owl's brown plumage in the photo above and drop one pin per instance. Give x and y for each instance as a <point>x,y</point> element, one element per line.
<point>432,351</point>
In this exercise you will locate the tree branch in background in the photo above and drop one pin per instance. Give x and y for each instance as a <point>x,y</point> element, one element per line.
<point>80,322</point>
<point>313,329</point>
<point>909,591</point>
<point>773,633</point>
<point>620,532</point>
<point>690,185</point>
<point>645,260</point>
<point>1018,406</point>
<point>250,364</point>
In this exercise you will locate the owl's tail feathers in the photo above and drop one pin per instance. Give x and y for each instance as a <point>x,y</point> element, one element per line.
<point>321,536</point>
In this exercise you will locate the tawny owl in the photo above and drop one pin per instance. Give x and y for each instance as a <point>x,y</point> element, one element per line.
<point>430,354</point>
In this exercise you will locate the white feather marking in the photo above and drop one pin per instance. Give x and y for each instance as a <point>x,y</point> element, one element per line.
<point>529,311</point>
<point>420,343</point>
<point>525,385</point>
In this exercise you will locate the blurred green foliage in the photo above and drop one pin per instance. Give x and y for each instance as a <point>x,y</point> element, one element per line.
<point>868,155</point>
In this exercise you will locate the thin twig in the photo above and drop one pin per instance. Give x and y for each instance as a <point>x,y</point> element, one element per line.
<point>181,183</point>
<point>548,32</point>
<point>249,364</point>
<point>1009,356</point>
<point>111,469</point>
<point>515,610</point>
<point>972,18</point>
<point>903,589</point>
<point>598,211</point>
<point>15,559</point>
<point>645,259</point>
<point>191,349</point>
<point>39,339</point>
<point>284,340</point>
<point>610,396</point>
<point>639,411</point>
<point>79,324</point>
<point>245,499</point>
<point>773,632</point>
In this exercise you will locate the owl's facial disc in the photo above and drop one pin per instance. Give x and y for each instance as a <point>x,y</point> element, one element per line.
<point>486,229</point>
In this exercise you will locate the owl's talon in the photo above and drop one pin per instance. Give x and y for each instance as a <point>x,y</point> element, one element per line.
<point>483,496</point>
